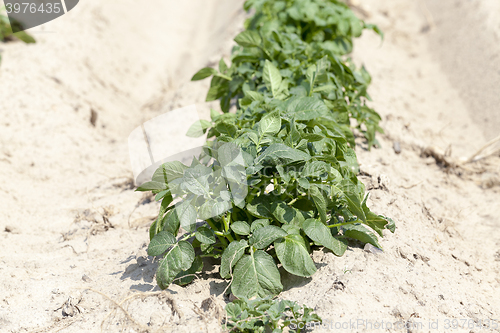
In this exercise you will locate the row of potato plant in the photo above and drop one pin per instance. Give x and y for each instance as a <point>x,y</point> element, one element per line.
<point>277,177</point>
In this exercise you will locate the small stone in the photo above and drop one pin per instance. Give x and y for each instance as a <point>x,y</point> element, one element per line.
<point>12,229</point>
<point>443,308</point>
<point>86,278</point>
<point>397,147</point>
<point>372,249</point>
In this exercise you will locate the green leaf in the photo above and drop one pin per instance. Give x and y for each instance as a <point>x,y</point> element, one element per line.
<point>257,224</point>
<point>361,233</point>
<point>306,108</point>
<point>214,114</point>
<point>164,194</point>
<point>263,237</point>
<point>169,171</point>
<point>270,124</point>
<point>280,154</point>
<point>152,230</point>
<point>315,169</point>
<point>319,201</point>
<point>255,96</point>
<point>187,216</point>
<point>198,128</point>
<point>152,186</point>
<point>240,228</point>
<point>233,310</point>
<point>287,215</point>
<point>374,221</point>
<point>203,74</point>
<point>354,205</point>
<point>179,258</point>
<point>196,180</point>
<point>351,160</point>
<point>293,255</point>
<point>205,235</point>
<point>222,66</point>
<point>215,92</point>
<point>213,208</point>
<point>291,229</point>
<point>160,243</point>
<point>171,222</point>
<point>391,226</point>
<point>248,38</point>
<point>261,206</point>
<point>226,128</point>
<point>256,275</point>
<point>230,257</point>
<point>272,77</point>
<point>320,234</point>
<point>325,88</point>
<point>187,276</point>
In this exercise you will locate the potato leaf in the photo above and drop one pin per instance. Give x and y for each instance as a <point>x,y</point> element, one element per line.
<point>198,128</point>
<point>152,186</point>
<point>169,171</point>
<point>230,257</point>
<point>320,234</point>
<point>179,258</point>
<point>280,154</point>
<point>205,235</point>
<point>203,74</point>
<point>263,237</point>
<point>319,201</point>
<point>160,243</point>
<point>293,255</point>
<point>248,38</point>
<point>256,275</point>
<point>240,228</point>
<point>270,124</point>
<point>187,276</point>
<point>272,78</point>
<point>361,233</point>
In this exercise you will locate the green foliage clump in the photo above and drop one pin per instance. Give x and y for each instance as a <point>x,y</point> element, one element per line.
<point>267,315</point>
<point>297,36</point>
<point>295,96</point>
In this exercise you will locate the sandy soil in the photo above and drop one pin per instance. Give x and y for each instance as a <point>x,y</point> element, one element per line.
<point>73,232</point>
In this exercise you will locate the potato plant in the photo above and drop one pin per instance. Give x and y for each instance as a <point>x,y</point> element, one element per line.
<point>277,178</point>
<point>267,315</point>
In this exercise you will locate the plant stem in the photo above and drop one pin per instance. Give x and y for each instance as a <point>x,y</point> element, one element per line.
<point>186,236</point>
<point>341,224</point>
<point>226,220</point>
<point>219,234</point>
<point>207,255</point>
